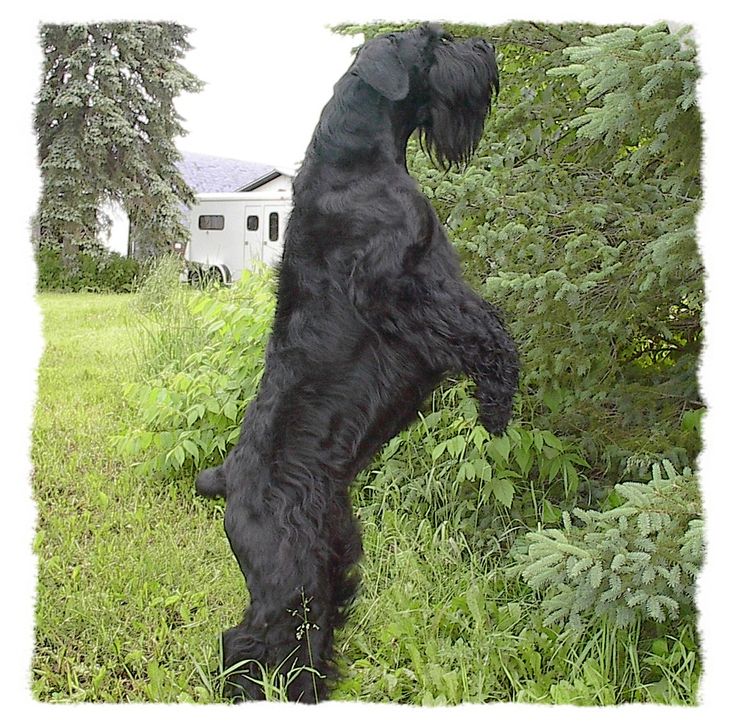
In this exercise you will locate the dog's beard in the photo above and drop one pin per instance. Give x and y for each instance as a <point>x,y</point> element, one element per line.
<point>461,83</point>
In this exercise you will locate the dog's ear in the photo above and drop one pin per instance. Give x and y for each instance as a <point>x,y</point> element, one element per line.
<point>378,64</point>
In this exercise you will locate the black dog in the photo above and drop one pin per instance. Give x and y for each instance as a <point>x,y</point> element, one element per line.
<point>372,313</point>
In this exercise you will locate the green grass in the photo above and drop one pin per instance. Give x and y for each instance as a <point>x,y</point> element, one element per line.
<point>136,579</point>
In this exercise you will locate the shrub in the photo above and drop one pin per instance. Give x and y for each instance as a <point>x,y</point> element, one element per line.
<point>91,268</point>
<point>448,469</point>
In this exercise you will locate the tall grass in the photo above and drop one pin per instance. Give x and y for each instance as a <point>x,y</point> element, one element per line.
<point>163,329</point>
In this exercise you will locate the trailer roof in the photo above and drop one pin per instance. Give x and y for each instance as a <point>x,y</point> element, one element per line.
<point>208,174</point>
<point>254,196</point>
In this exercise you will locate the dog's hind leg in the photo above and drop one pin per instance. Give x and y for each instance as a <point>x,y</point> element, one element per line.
<point>287,630</point>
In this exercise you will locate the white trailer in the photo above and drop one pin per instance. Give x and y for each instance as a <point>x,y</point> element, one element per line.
<point>235,231</point>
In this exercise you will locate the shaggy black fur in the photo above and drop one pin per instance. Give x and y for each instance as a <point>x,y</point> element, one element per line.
<point>372,313</point>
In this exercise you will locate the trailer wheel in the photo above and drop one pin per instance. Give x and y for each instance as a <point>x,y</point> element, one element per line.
<point>195,277</point>
<point>220,274</point>
<point>204,276</point>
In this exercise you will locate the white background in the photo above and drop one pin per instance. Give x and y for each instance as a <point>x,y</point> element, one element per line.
<point>280,54</point>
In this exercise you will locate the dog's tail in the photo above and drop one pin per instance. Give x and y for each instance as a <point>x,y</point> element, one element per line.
<point>211,483</point>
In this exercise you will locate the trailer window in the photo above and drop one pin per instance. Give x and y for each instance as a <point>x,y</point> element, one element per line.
<point>212,221</point>
<point>273,226</point>
<point>251,224</point>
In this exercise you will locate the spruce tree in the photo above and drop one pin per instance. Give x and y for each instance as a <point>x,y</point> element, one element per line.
<point>577,217</point>
<point>105,122</point>
<point>638,560</point>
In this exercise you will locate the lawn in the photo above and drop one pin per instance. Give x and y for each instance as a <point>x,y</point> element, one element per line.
<point>131,574</point>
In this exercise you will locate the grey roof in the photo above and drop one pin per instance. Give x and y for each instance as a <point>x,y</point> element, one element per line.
<point>205,173</point>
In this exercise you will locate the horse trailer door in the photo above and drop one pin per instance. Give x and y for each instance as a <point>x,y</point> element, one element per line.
<point>275,218</point>
<point>253,242</point>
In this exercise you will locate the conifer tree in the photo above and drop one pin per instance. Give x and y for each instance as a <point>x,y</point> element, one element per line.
<point>105,122</point>
<point>577,217</point>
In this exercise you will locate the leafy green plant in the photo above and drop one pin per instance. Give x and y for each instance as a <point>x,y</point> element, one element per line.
<point>447,468</point>
<point>189,415</point>
<point>673,668</point>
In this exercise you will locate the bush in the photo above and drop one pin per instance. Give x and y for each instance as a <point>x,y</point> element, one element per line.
<point>448,470</point>
<point>90,268</point>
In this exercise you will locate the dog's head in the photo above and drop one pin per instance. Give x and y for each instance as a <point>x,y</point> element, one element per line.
<point>443,86</point>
